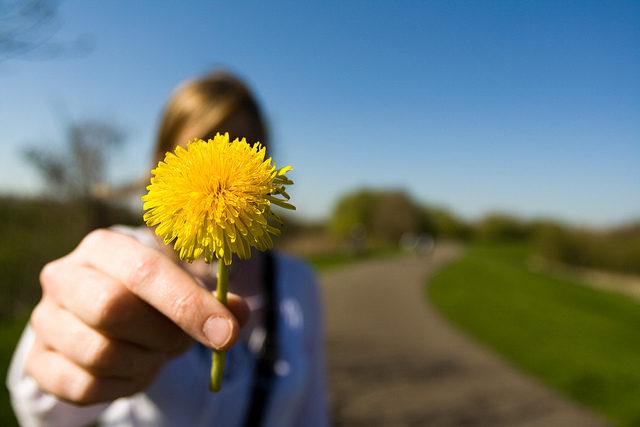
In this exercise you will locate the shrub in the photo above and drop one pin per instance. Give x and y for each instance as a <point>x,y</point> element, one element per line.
<point>616,249</point>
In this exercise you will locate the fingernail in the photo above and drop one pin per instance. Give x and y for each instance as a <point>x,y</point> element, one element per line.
<point>218,331</point>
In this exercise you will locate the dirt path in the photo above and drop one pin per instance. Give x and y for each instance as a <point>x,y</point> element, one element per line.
<point>393,360</point>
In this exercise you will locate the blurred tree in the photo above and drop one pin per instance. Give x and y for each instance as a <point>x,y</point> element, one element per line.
<point>500,226</point>
<point>396,214</point>
<point>27,27</point>
<point>354,210</point>
<point>382,215</point>
<point>74,173</point>
<point>616,249</point>
<point>442,223</point>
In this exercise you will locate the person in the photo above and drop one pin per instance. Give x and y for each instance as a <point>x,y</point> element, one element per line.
<point>124,331</point>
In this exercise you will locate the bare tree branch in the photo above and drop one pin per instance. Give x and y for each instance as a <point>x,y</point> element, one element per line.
<point>27,28</point>
<point>82,165</point>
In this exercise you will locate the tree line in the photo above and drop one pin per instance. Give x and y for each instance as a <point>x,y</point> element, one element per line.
<point>385,216</point>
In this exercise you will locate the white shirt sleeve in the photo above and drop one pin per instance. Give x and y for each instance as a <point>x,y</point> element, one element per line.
<point>34,408</point>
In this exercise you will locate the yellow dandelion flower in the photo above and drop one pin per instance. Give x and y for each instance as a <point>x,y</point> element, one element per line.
<point>214,199</point>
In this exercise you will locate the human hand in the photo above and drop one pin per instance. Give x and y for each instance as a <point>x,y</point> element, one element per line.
<point>113,312</point>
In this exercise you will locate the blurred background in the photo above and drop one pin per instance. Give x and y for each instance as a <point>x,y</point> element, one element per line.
<point>511,128</point>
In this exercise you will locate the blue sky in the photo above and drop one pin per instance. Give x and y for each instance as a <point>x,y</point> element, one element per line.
<point>530,108</point>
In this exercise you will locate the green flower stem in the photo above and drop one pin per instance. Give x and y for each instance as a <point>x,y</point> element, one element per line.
<point>217,363</point>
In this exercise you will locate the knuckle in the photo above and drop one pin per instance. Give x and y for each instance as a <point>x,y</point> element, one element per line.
<point>77,389</point>
<point>96,237</point>
<point>145,269</point>
<point>48,274</point>
<point>51,271</point>
<point>83,391</point>
<point>37,316</point>
<point>182,307</point>
<point>111,309</point>
<point>91,390</point>
<point>87,389</point>
<point>101,357</point>
<point>33,360</point>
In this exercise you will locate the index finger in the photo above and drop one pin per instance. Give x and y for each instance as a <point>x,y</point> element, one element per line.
<point>157,280</point>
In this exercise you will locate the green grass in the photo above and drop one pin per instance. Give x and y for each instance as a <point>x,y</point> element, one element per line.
<point>581,341</point>
<point>10,331</point>
<point>325,262</point>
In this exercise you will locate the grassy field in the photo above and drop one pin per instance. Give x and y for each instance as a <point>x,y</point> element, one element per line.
<point>10,331</point>
<point>324,262</point>
<point>579,340</point>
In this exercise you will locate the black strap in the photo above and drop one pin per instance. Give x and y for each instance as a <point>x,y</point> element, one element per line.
<point>263,379</point>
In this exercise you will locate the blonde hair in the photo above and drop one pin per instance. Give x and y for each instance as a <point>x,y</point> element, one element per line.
<point>205,103</point>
